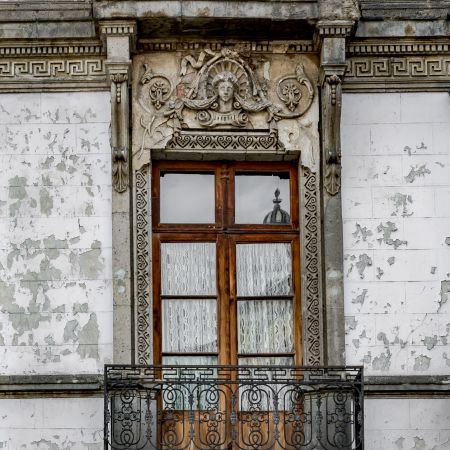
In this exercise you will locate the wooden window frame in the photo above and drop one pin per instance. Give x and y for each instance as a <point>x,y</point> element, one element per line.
<point>227,235</point>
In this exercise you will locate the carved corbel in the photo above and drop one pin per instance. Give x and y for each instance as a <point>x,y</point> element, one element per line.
<point>119,38</point>
<point>331,135</point>
<point>119,128</point>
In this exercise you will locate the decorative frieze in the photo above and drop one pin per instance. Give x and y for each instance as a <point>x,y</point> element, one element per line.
<point>407,72</point>
<point>28,66</point>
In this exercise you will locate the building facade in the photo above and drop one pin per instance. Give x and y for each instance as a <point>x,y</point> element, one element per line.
<point>229,183</point>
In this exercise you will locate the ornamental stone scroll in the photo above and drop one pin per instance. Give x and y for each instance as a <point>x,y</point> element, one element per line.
<point>239,104</point>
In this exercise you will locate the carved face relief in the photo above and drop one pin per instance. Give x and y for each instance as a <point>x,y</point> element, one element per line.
<point>219,92</point>
<point>225,90</point>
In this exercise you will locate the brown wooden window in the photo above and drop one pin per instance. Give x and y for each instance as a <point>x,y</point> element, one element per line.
<point>226,263</point>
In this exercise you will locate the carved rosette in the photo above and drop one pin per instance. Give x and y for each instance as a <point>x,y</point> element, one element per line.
<point>331,115</point>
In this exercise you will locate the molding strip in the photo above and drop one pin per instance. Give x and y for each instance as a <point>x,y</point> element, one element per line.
<point>408,73</point>
<point>142,242</point>
<point>58,66</point>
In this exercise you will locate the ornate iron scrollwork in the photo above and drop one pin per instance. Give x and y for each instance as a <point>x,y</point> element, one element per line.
<point>241,407</point>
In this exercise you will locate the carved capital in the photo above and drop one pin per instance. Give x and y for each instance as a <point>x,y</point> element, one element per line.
<point>111,29</point>
<point>331,139</point>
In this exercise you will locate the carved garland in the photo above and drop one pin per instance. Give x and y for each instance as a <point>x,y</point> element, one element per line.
<point>311,292</point>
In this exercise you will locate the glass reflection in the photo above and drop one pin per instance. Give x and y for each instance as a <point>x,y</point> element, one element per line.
<point>187,198</point>
<point>262,198</point>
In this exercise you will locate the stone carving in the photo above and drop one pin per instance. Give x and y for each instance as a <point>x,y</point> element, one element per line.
<point>159,87</point>
<point>289,91</point>
<point>311,290</point>
<point>119,129</point>
<point>47,68</point>
<point>142,251</point>
<point>218,91</point>
<point>258,142</point>
<point>331,114</point>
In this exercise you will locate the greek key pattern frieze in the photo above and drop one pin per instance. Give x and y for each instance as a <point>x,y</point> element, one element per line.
<point>50,68</point>
<point>311,291</point>
<point>143,272</point>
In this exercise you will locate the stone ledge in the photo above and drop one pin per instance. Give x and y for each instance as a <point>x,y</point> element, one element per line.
<point>50,383</point>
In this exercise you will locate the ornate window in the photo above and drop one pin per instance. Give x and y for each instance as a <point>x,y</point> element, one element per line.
<point>226,275</point>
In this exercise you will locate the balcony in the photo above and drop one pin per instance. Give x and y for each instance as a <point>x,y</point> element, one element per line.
<point>233,407</point>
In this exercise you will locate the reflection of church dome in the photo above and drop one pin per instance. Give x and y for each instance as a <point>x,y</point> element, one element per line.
<point>277,215</point>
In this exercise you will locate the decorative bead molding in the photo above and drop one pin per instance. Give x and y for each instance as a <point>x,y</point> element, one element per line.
<point>254,47</point>
<point>398,47</point>
<point>18,49</point>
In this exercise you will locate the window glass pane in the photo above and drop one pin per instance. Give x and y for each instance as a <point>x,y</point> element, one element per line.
<point>188,268</point>
<point>262,198</point>
<point>189,326</point>
<point>265,326</point>
<point>263,269</point>
<point>187,198</point>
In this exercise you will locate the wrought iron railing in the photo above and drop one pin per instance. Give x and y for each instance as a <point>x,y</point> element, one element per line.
<point>233,407</point>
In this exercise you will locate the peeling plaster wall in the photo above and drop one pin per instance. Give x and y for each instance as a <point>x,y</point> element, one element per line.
<point>51,424</point>
<point>396,213</point>
<point>55,233</point>
<point>416,424</point>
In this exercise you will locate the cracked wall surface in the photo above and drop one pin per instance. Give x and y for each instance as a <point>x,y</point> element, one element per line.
<point>396,214</point>
<point>55,233</point>
<point>51,424</point>
<point>409,424</point>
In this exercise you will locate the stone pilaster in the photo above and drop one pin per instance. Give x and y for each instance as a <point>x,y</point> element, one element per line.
<point>119,38</point>
<point>330,38</point>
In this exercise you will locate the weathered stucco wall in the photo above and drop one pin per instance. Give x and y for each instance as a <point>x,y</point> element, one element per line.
<point>51,424</point>
<point>55,233</point>
<point>396,212</point>
<point>400,423</point>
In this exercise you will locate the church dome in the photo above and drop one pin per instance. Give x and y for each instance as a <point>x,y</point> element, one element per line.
<point>277,215</point>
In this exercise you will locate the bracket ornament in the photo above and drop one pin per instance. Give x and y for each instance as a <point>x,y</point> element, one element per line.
<point>119,130</point>
<point>331,114</point>
<point>219,93</point>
